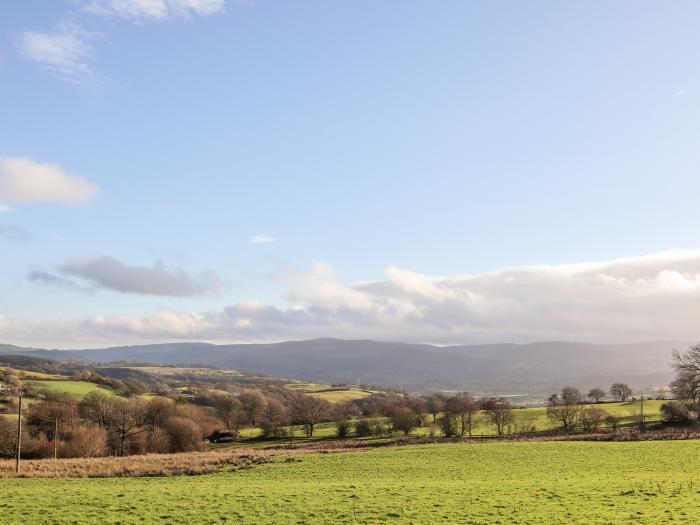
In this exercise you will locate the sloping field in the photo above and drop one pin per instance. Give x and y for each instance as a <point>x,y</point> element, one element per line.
<point>515,483</point>
<point>328,392</point>
<point>26,374</point>
<point>341,395</point>
<point>537,417</point>
<point>77,389</point>
<point>178,370</point>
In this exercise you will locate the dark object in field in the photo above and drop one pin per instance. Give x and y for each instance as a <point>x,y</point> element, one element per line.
<point>222,436</point>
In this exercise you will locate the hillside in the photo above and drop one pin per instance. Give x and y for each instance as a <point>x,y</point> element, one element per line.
<point>504,368</point>
<point>531,368</point>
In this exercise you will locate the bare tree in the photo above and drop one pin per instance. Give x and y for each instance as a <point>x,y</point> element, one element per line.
<point>16,388</point>
<point>310,411</point>
<point>48,415</point>
<point>403,419</point>
<point>565,409</point>
<point>252,403</point>
<point>686,385</point>
<point>435,404</point>
<point>156,411</point>
<point>462,407</point>
<point>273,417</point>
<point>97,408</point>
<point>620,391</point>
<point>227,408</point>
<point>596,394</point>
<point>500,413</point>
<point>127,419</point>
<point>592,417</point>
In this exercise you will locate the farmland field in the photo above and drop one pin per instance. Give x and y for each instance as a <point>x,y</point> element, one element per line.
<point>178,370</point>
<point>525,482</point>
<point>77,389</point>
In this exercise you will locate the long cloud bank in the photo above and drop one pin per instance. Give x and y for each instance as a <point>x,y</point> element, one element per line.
<point>637,298</point>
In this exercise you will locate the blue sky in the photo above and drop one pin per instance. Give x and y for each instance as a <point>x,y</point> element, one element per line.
<point>440,138</point>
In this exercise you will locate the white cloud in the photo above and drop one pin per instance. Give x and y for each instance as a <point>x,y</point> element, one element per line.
<point>262,239</point>
<point>638,298</point>
<point>153,9</point>
<point>6,209</point>
<point>65,52</point>
<point>109,273</point>
<point>26,181</point>
<point>682,92</point>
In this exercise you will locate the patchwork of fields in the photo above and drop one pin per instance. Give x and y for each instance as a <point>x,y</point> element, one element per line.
<point>514,482</point>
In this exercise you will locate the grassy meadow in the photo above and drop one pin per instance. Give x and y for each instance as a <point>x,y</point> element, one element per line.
<point>486,483</point>
<point>77,389</point>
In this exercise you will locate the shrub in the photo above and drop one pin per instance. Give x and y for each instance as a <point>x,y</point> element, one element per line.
<point>378,428</point>
<point>363,428</point>
<point>592,417</point>
<point>184,434</point>
<point>448,426</point>
<point>8,438</point>
<point>157,441</point>
<point>342,428</point>
<point>675,412</point>
<point>403,419</point>
<point>612,421</point>
<point>85,441</point>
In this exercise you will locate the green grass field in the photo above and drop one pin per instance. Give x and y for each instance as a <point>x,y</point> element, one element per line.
<point>524,417</point>
<point>488,483</point>
<point>77,389</point>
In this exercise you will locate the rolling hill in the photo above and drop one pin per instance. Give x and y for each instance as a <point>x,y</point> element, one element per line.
<point>493,368</point>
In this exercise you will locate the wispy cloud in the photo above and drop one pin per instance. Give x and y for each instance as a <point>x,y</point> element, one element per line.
<point>153,9</point>
<point>112,274</point>
<point>6,209</point>
<point>262,239</point>
<point>64,52</point>
<point>682,92</point>
<point>14,233</point>
<point>68,50</point>
<point>26,181</point>
<point>50,279</point>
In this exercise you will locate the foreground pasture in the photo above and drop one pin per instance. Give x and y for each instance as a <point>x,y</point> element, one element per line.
<point>509,482</point>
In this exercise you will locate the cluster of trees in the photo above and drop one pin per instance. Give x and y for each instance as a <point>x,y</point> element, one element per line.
<point>453,416</point>
<point>569,411</point>
<point>272,412</point>
<point>126,386</point>
<point>619,391</point>
<point>60,426</point>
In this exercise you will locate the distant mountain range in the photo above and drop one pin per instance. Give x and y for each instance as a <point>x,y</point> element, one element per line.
<point>494,368</point>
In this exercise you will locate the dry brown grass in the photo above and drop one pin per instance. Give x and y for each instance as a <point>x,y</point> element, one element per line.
<point>184,464</point>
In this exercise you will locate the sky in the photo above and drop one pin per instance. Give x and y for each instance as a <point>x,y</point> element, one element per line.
<point>256,170</point>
